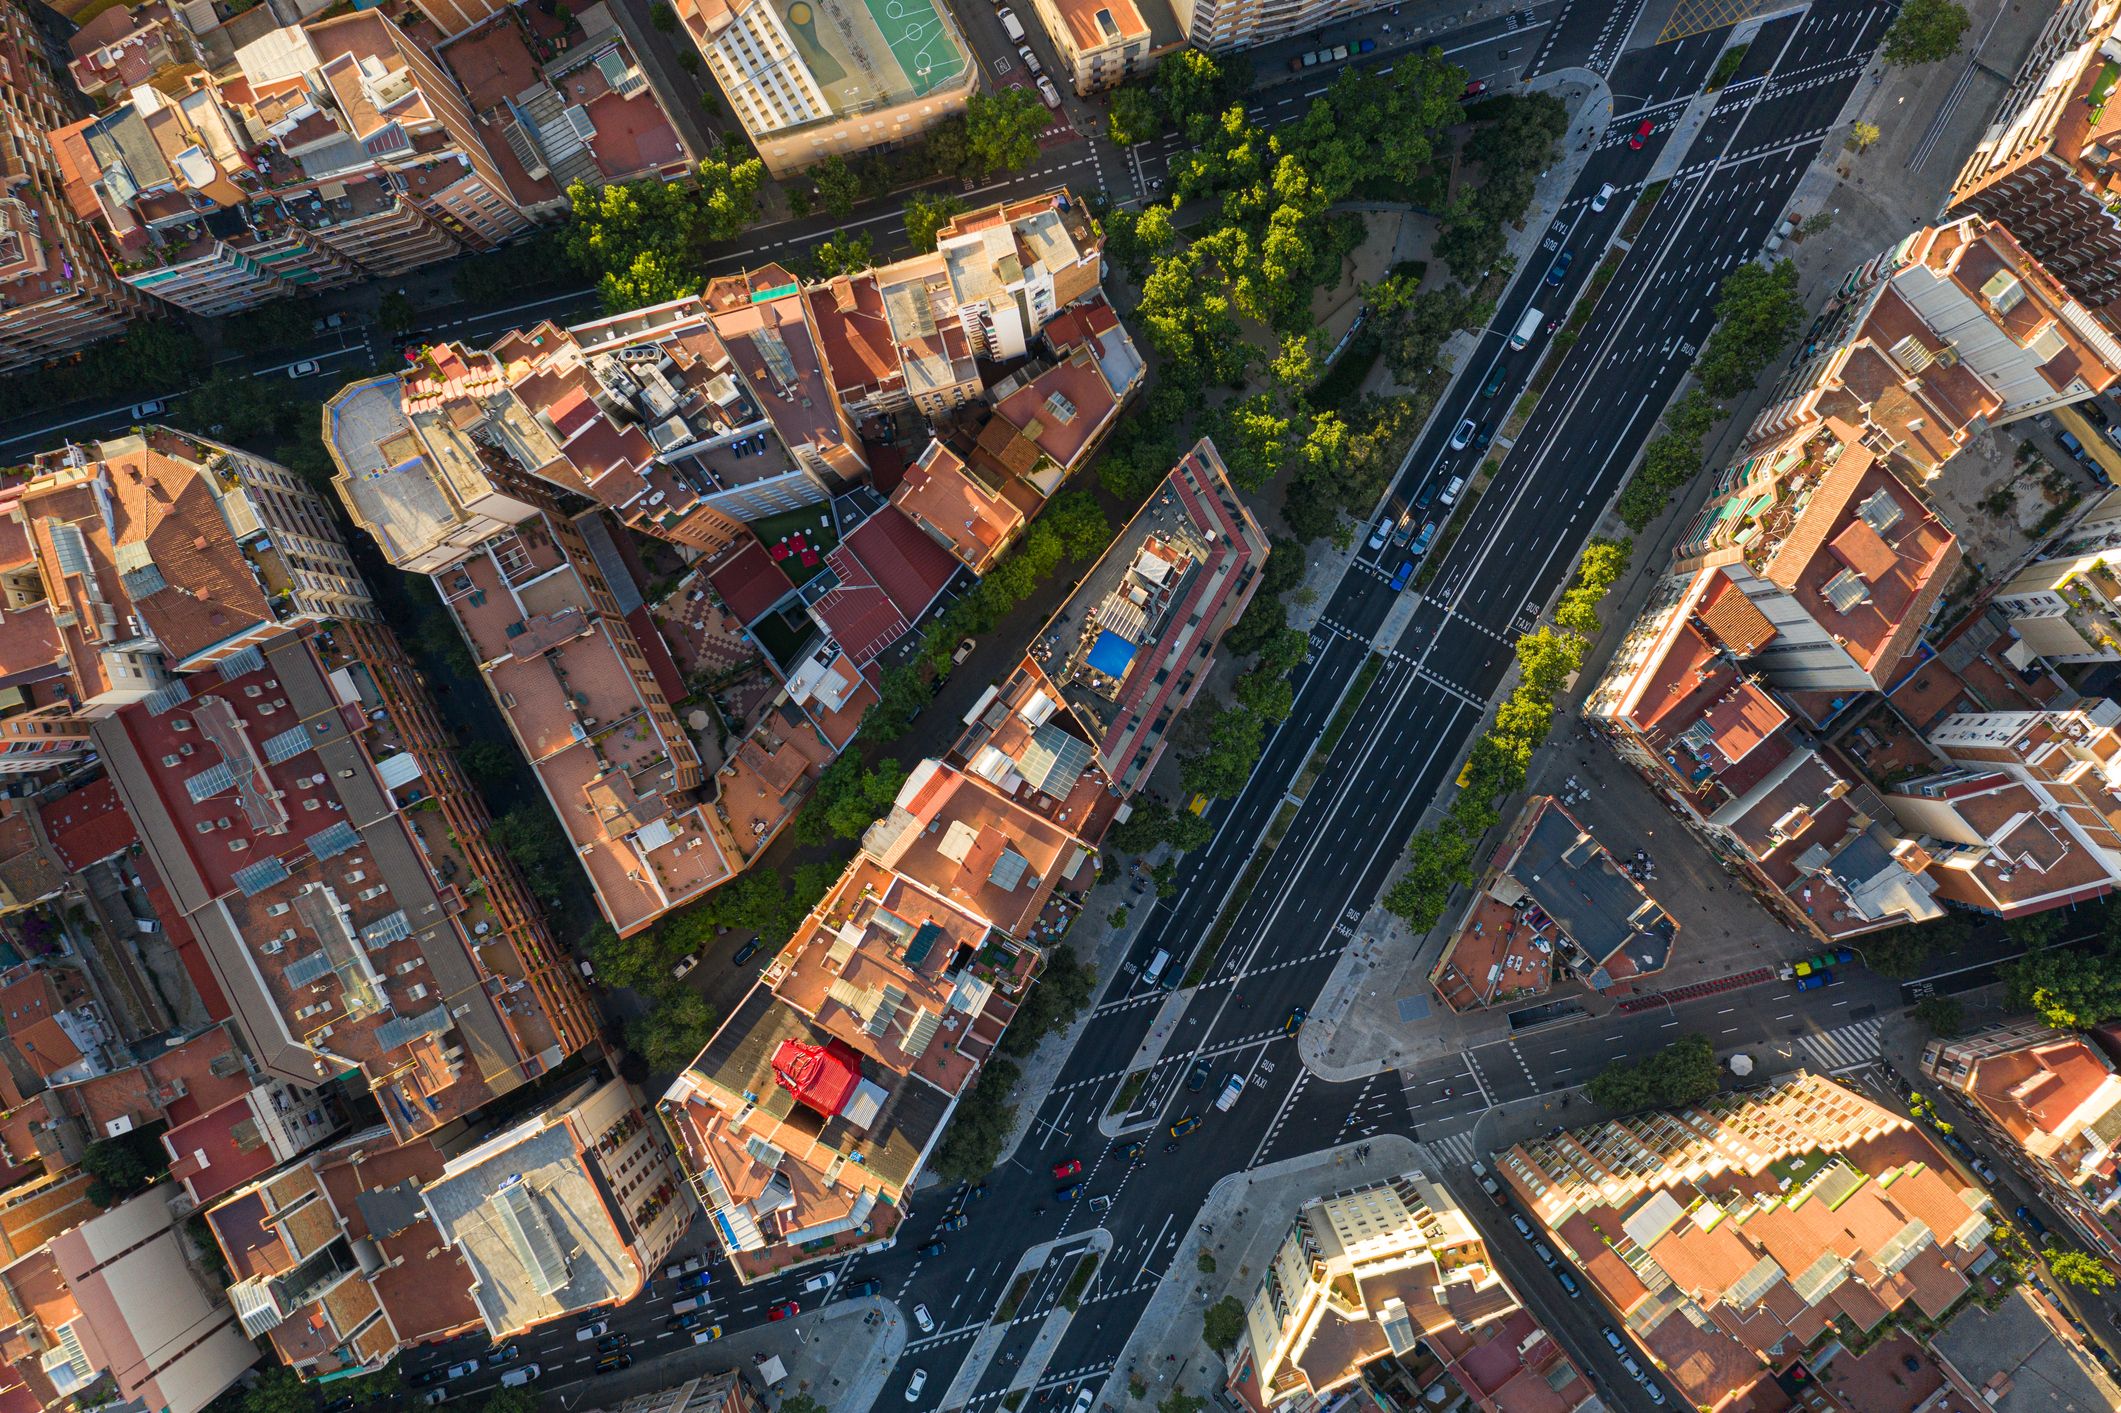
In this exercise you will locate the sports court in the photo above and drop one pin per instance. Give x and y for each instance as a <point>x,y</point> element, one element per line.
<point>867,53</point>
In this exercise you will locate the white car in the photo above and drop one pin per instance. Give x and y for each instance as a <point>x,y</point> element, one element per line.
<point>1048,92</point>
<point>1083,1401</point>
<point>1023,52</point>
<point>1604,196</point>
<point>306,368</point>
<point>925,1320</point>
<point>915,1384</point>
<point>1464,435</point>
<point>154,408</point>
<point>684,966</point>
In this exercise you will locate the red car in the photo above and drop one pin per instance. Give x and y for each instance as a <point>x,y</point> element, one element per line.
<point>1475,88</point>
<point>1644,130</point>
<point>1067,1169</point>
<point>786,1310</point>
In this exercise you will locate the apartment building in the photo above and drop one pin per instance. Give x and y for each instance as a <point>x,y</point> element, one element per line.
<point>2065,606</point>
<point>2052,1102</point>
<point>1131,647</point>
<point>1225,26</point>
<point>370,1246</point>
<point>1014,266</point>
<point>1734,1238</point>
<point>805,91</point>
<point>120,1300</point>
<point>1681,704</point>
<point>1101,43</point>
<point>1394,1271</point>
<point>1953,330</point>
<point>2017,819</point>
<point>334,152</point>
<point>1553,903</point>
<point>712,1393</point>
<point>57,292</point>
<point>2044,166</point>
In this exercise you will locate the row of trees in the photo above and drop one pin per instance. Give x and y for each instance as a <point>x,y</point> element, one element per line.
<point>1442,858</point>
<point>1683,1072</point>
<point>1758,312</point>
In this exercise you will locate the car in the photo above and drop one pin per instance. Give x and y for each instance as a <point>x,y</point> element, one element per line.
<point>925,1320</point>
<point>915,1384</point>
<point>1464,435</point>
<point>1612,1339</point>
<point>819,1283</point>
<point>1137,1150</point>
<point>1426,497</point>
<point>956,1221</point>
<point>678,1268</point>
<point>963,650</point>
<point>1454,490</point>
<point>612,1363</point>
<point>1023,52</point>
<point>1068,1193</point>
<point>1656,1394</point>
<point>428,1376</point>
<point>1067,1168</point>
<point>1423,540</point>
<point>307,368</point>
<point>613,1341</point>
<point>1474,89</point>
<point>341,1404</point>
<point>1482,437</point>
<point>1641,134</point>
<point>1185,1126</point>
<point>592,1330</point>
<point>1524,1228</point>
<point>506,1354</point>
<point>329,321</point>
<point>682,1322</point>
<point>153,407</point>
<point>786,1310</point>
<point>434,1396</point>
<point>1382,533</point>
<point>933,1248</point>
<point>1294,1021</point>
<point>1604,197</point>
<point>1559,270</point>
<point>1048,94</point>
<point>745,953</point>
<point>684,966</point>
<point>1627,1362</point>
<point>463,1370</point>
<point>1984,1171</point>
<point>708,1335</point>
<point>1545,1253</point>
<point>695,1280</point>
<point>2026,1216</point>
<point>1197,1077</point>
<point>1568,1283</point>
<point>1401,575</point>
<point>858,1289</point>
<point>1101,1203</point>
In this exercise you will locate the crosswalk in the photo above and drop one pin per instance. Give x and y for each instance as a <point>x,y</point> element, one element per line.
<point>1456,1149</point>
<point>1845,1047</point>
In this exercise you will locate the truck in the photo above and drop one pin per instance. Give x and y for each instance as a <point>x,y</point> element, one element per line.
<point>1521,336</point>
<point>1233,1085</point>
<point>686,1306</point>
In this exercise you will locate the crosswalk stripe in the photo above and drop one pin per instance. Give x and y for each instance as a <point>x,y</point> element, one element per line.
<point>1845,1047</point>
<point>1457,1147</point>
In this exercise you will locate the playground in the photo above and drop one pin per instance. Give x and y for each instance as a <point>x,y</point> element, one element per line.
<point>877,53</point>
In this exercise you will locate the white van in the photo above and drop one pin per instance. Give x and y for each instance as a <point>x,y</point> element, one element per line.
<point>1156,966</point>
<point>591,1330</point>
<point>1233,1086</point>
<point>1011,26</point>
<point>1526,327</point>
<point>685,1306</point>
<point>520,1375</point>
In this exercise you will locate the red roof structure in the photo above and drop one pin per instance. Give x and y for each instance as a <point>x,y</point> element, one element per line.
<point>821,1077</point>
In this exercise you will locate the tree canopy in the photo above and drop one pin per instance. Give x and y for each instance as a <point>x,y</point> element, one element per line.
<point>2069,990</point>
<point>1925,31</point>
<point>640,239</point>
<point>1684,1072</point>
<point>1757,314</point>
<point>1002,129</point>
<point>926,213</point>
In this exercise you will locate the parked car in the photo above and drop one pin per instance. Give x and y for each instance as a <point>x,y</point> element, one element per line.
<point>1101,1203</point>
<point>858,1289</point>
<point>329,321</point>
<point>819,1283</point>
<point>1463,435</point>
<point>1655,1393</point>
<point>613,1341</point>
<point>1641,134</point>
<point>154,407</point>
<point>1067,1168</point>
<point>1048,93</point>
<point>1382,533</point>
<point>745,953</point>
<point>1069,1193</point>
<point>956,1221</point>
<point>682,1323</point>
<point>1568,1283</point>
<point>1083,1401</point>
<point>786,1310</point>
<point>612,1363</point>
<point>594,1329</point>
<point>1524,1228</point>
<point>925,1320</point>
<point>1197,1077</point>
<point>434,1396</point>
<point>1474,89</point>
<point>428,1376</point>
<point>678,1268</point>
<point>307,368</point>
<point>505,1354</point>
<point>463,1370</point>
<point>1545,1253</point>
<point>1612,1339</point>
<point>2025,1215</point>
<point>684,966</point>
<point>1400,576</point>
<point>1023,51</point>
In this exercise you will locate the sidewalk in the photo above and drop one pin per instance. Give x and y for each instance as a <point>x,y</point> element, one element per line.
<point>1246,1216</point>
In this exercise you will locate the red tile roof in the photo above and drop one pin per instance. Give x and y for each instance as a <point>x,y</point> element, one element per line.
<point>749,582</point>
<point>87,825</point>
<point>907,565</point>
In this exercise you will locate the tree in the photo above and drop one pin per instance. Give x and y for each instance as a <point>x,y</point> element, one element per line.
<point>1941,1014</point>
<point>1684,1072</point>
<point>1135,116</point>
<point>843,254</point>
<point>396,314</point>
<point>1062,990</point>
<point>673,1030</point>
<point>1906,950</point>
<point>663,17</point>
<point>1438,860</point>
<point>1925,31</point>
<point>973,1144</point>
<point>279,1389</point>
<point>531,838</point>
<point>2082,1271</point>
<point>837,186</point>
<point>801,1403</point>
<point>1002,129</point>
<point>1757,313</point>
<point>1223,1324</point>
<point>1254,437</point>
<point>631,236</point>
<point>849,798</point>
<point>1179,1401</point>
<point>927,213</point>
<point>1861,136</point>
<point>1185,314</point>
<point>122,1166</point>
<point>525,1400</point>
<point>1193,89</point>
<point>1078,523</point>
<point>489,762</point>
<point>2069,990</point>
<point>245,410</point>
<point>1235,735</point>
